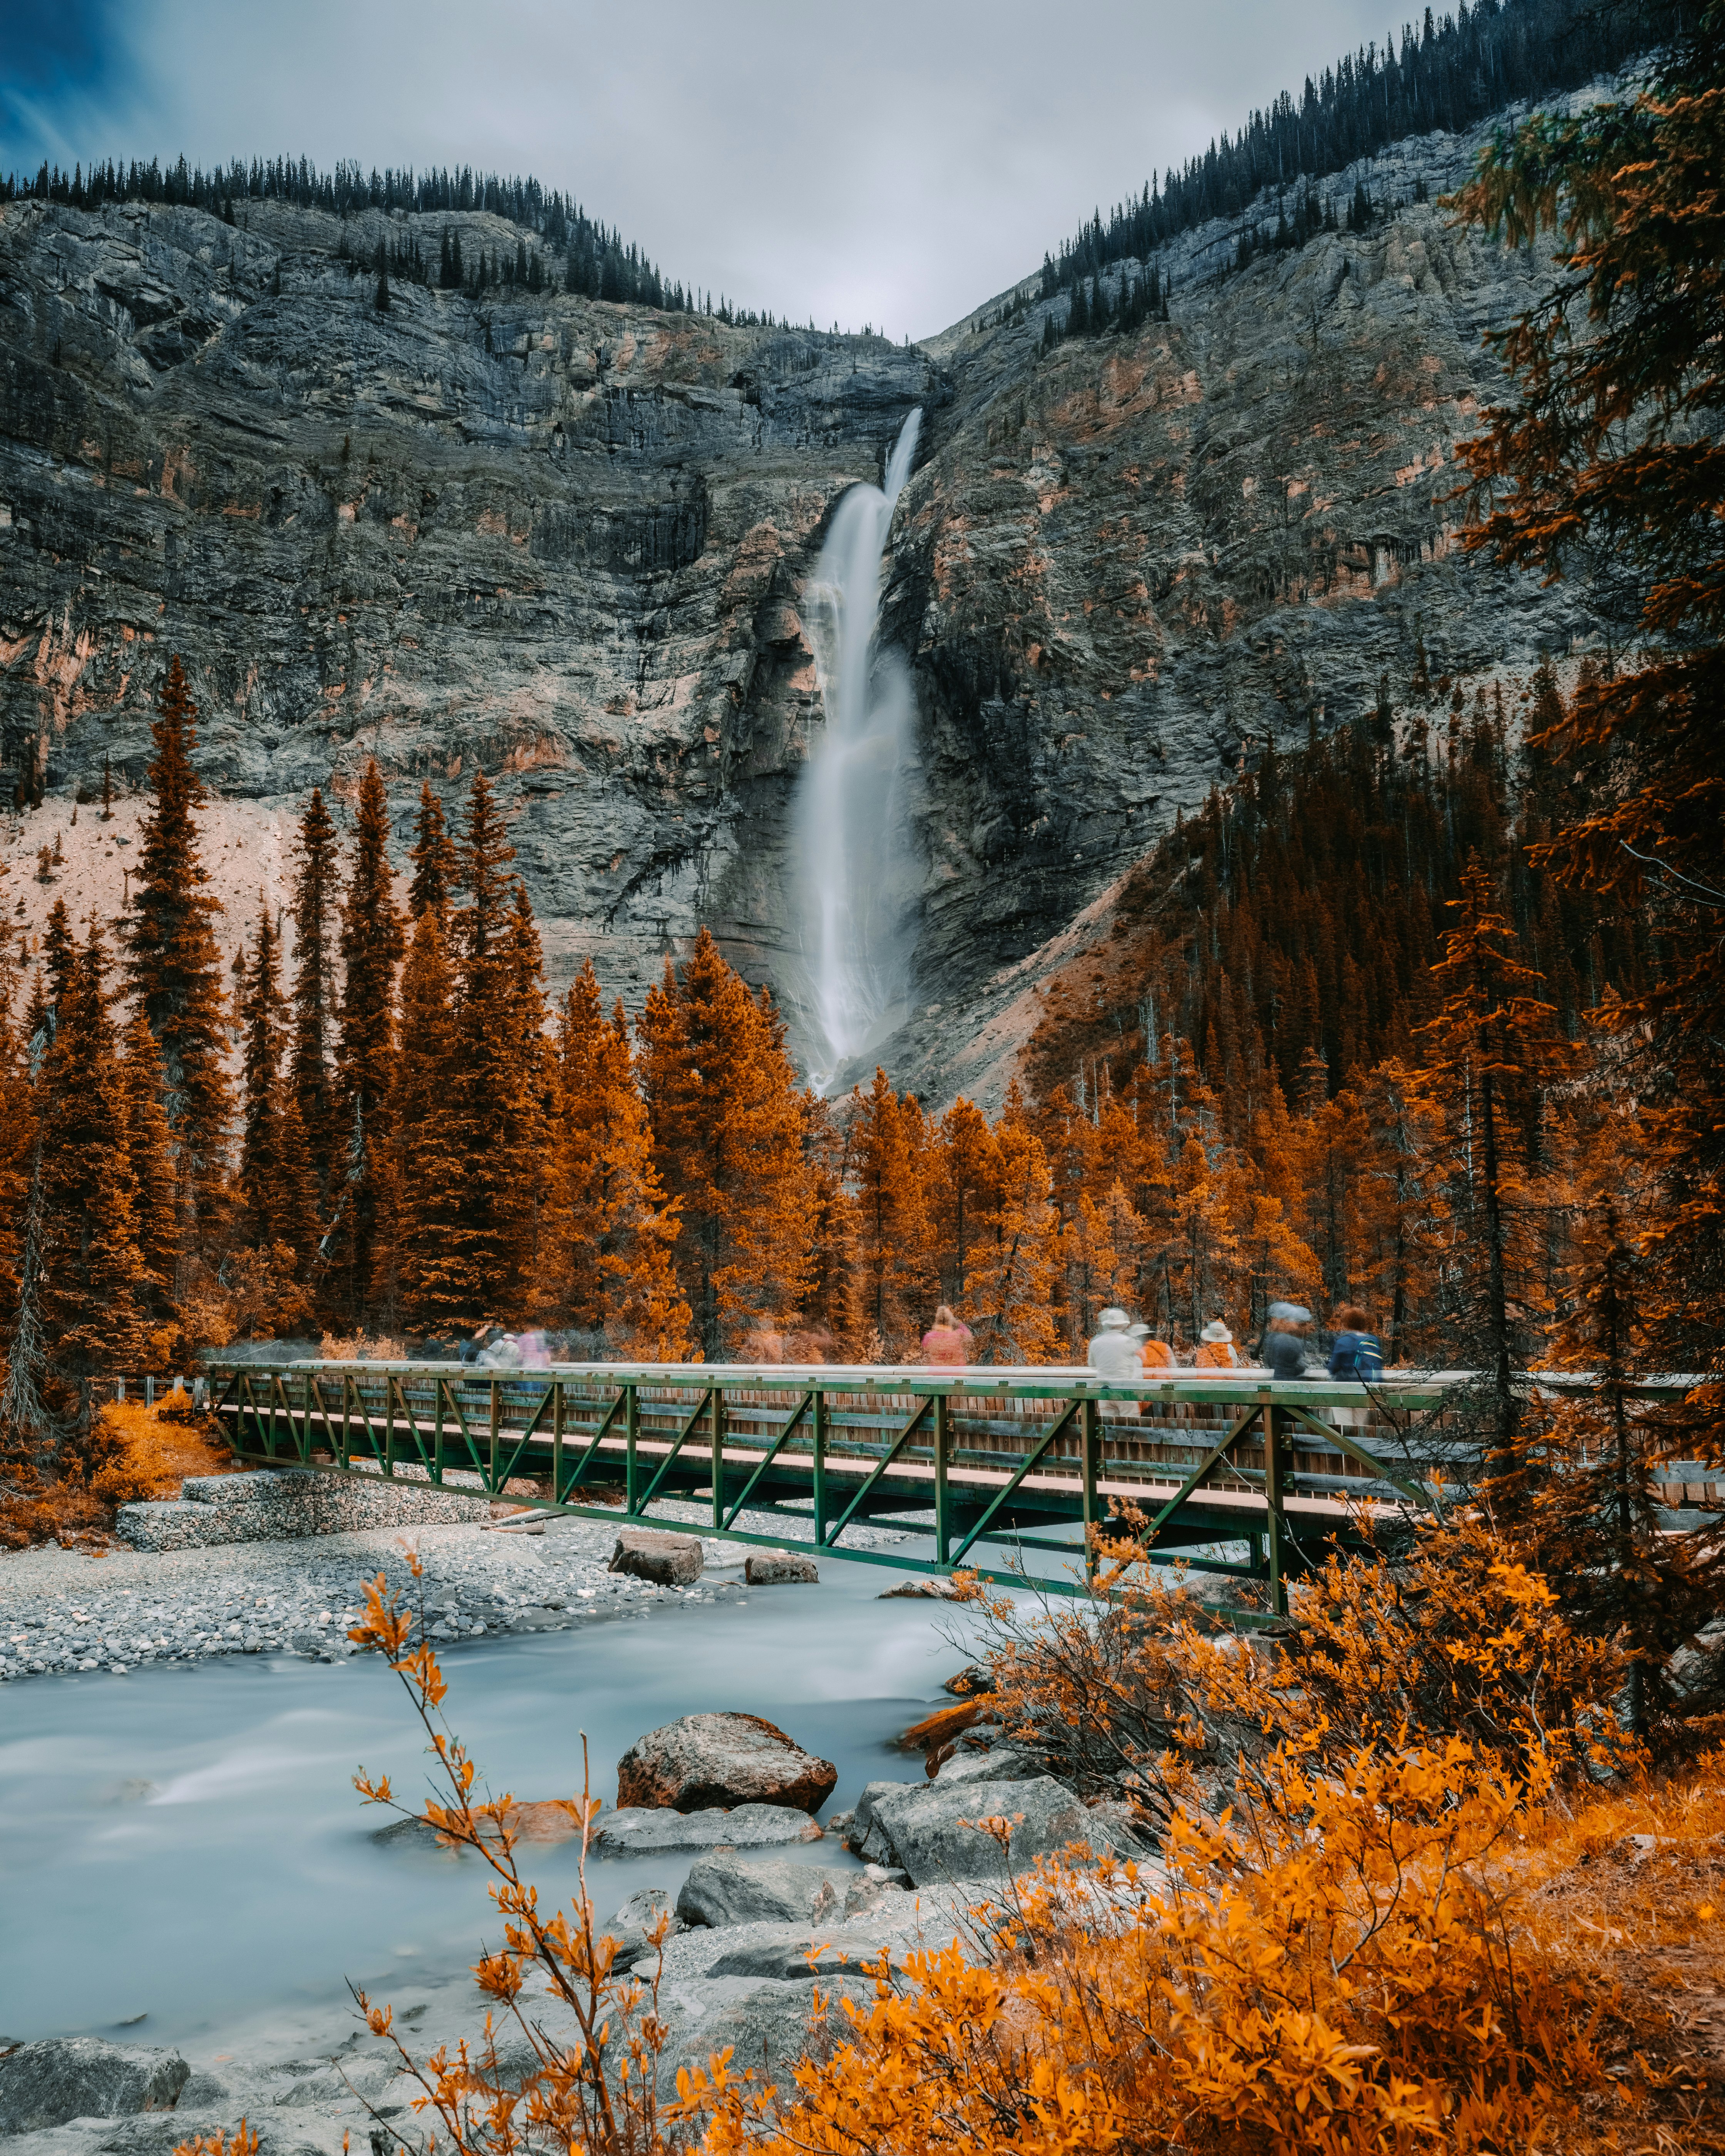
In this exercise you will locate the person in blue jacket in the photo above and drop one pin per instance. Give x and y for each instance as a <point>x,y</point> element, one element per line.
<point>1357,1352</point>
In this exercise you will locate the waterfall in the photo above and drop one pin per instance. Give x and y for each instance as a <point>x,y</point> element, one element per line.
<point>857,873</point>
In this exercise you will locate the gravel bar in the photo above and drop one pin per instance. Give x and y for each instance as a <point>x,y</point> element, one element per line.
<point>66,1611</point>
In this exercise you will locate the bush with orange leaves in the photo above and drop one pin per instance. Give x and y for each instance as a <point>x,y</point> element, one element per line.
<point>1138,1688</point>
<point>1389,1943</point>
<point>133,1452</point>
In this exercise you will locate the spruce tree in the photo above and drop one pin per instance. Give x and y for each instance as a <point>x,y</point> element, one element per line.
<point>172,963</point>
<point>605,1252</point>
<point>888,1165</point>
<point>727,1134</point>
<point>315,904</point>
<point>263,1177</point>
<point>372,945</point>
<point>433,1287</point>
<point>433,854</point>
<point>92,1269</point>
<point>149,1145</point>
<point>484,1245</point>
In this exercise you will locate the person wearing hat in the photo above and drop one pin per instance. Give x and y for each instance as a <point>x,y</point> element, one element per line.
<point>1154,1356</point>
<point>1113,1353</point>
<point>1285,1339</point>
<point>1216,1347</point>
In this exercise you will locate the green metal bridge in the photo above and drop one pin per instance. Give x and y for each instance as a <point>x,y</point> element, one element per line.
<point>988,1465</point>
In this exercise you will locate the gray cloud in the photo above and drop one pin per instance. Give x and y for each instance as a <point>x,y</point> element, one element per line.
<point>895,165</point>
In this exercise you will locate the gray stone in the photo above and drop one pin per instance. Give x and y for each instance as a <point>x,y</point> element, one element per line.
<point>289,1504</point>
<point>768,2030</point>
<point>638,1916</point>
<point>776,1569</point>
<point>820,1954</point>
<point>705,1759</point>
<point>923,1830</point>
<point>743,1826</point>
<point>722,1890</point>
<point>45,2084</point>
<point>1001,1763</point>
<point>667,1560</point>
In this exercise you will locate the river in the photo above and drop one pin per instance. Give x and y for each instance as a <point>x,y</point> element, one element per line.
<point>184,1844</point>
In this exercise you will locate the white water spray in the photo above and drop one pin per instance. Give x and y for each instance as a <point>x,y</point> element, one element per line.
<point>857,871</point>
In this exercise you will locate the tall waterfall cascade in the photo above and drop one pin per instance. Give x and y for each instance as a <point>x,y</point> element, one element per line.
<point>858,874</point>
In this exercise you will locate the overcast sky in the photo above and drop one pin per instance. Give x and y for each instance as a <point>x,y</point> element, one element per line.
<point>897,164</point>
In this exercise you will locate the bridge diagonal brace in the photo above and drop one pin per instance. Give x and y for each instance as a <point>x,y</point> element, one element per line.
<point>892,1452</point>
<point>452,1392</point>
<point>1052,1436</point>
<point>572,1480</point>
<point>410,1421</point>
<point>770,1454</point>
<point>526,1435</point>
<point>682,1438</point>
<point>1342,1443</point>
<point>1237,1430</point>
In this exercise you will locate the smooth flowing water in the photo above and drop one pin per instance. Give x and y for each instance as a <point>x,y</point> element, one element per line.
<point>185,1844</point>
<point>857,869</point>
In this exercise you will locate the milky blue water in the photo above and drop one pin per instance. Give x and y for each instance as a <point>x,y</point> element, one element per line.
<point>185,1844</point>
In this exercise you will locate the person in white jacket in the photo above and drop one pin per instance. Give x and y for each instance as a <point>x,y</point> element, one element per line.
<point>1113,1353</point>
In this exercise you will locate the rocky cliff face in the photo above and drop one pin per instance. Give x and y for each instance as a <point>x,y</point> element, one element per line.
<point>565,541</point>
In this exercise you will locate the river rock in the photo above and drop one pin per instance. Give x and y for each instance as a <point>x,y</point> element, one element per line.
<point>667,1560</point>
<point>1003,1763</point>
<point>638,1916</point>
<point>768,2029</point>
<point>622,1832</point>
<point>920,1826</point>
<point>777,1569</point>
<point>45,2084</point>
<point>707,1759</point>
<point>830,1952</point>
<point>720,1890</point>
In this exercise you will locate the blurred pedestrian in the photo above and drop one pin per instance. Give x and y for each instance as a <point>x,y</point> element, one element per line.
<point>1154,1355</point>
<point>946,1343</point>
<point>1357,1352</point>
<point>1113,1353</point>
<point>1216,1347</point>
<point>1285,1339</point>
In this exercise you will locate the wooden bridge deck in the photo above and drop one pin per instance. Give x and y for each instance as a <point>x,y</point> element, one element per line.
<point>983,1463</point>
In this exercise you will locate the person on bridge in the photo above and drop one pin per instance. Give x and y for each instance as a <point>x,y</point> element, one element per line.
<point>1357,1352</point>
<point>946,1343</point>
<point>1285,1339</point>
<point>1154,1355</point>
<point>1113,1353</point>
<point>1216,1347</point>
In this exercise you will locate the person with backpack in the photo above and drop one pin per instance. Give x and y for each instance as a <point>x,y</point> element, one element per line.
<point>1356,1354</point>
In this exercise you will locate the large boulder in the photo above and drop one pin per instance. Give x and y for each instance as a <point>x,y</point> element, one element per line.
<point>723,1890</point>
<point>667,1560</point>
<point>708,1759</point>
<point>45,2084</point>
<point>622,1832</point>
<point>922,1826</point>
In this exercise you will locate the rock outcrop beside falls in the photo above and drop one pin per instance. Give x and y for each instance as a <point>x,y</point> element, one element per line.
<point>566,542</point>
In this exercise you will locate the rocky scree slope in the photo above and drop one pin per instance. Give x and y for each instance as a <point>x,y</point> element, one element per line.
<point>566,542</point>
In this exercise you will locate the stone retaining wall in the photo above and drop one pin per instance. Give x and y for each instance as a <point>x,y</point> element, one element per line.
<point>281,1505</point>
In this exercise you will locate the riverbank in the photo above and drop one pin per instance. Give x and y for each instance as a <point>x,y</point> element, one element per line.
<point>70,1612</point>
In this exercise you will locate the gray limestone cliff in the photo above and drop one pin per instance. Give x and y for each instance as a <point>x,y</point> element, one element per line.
<point>565,541</point>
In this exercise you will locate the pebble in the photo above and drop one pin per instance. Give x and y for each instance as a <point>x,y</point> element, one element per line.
<point>65,1612</point>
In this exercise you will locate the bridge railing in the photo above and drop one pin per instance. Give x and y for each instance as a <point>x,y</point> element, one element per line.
<point>972,1460</point>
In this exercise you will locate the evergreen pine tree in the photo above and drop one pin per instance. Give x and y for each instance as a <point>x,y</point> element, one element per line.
<point>433,854</point>
<point>371,944</point>
<point>432,1284</point>
<point>172,962</point>
<point>263,1165</point>
<point>312,1079</point>
<point>727,1133</point>
<point>605,1255</point>
<point>150,1145</point>
<point>92,1270</point>
<point>888,1176</point>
